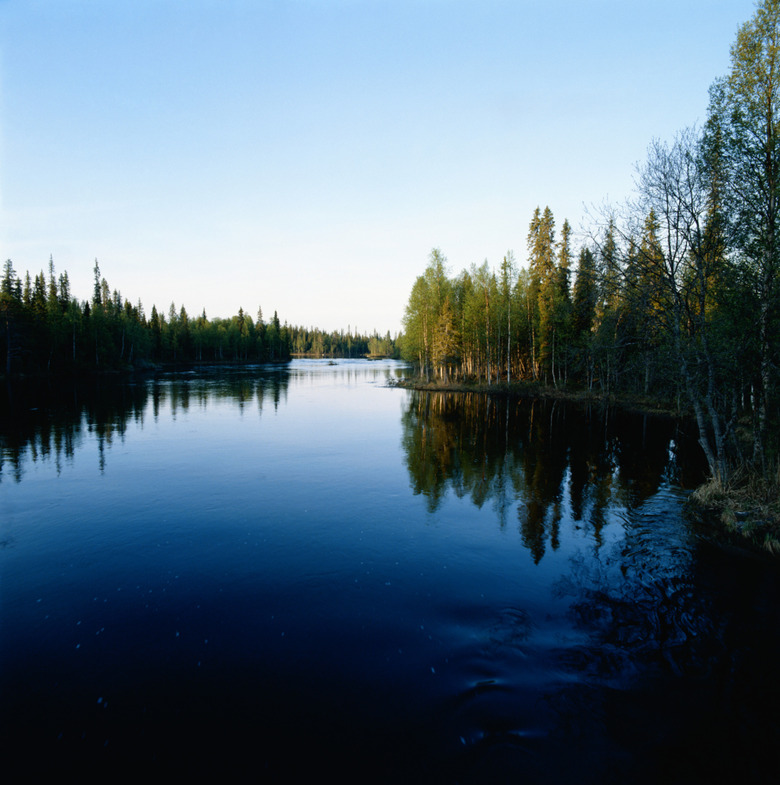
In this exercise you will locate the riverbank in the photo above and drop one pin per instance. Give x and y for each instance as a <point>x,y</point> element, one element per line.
<point>535,390</point>
<point>747,508</point>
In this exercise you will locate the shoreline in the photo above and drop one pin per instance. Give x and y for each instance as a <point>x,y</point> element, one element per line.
<point>538,391</point>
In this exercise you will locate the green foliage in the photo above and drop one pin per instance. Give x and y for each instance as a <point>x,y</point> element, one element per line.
<point>44,329</point>
<point>677,301</point>
<point>314,342</point>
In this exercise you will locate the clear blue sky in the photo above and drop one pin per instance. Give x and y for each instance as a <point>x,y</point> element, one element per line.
<point>306,155</point>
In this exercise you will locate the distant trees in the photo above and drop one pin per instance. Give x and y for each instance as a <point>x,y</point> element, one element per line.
<point>43,328</point>
<point>314,342</point>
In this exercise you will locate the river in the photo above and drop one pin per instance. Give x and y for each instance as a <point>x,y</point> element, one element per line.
<point>302,572</point>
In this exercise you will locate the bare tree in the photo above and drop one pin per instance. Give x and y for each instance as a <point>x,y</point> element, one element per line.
<point>675,186</point>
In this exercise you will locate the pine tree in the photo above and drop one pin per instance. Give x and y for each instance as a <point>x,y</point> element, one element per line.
<point>541,252</point>
<point>584,313</point>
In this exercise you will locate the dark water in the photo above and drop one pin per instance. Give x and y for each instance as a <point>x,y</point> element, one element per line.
<point>278,575</point>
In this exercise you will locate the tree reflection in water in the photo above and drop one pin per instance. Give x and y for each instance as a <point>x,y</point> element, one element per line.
<point>598,638</point>
<point>43,420</point>
<point>674,670</point>
<point>530,458</point>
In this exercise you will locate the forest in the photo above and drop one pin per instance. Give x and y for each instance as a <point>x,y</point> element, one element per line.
<point>45,329</point>
<point>671,298</point>
<point>314,342</point>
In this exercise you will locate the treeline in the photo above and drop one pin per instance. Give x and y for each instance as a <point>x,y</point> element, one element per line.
<point>44,328</point>
<point>588,326</point>
<point>313,342</point>
<point>674,297</point>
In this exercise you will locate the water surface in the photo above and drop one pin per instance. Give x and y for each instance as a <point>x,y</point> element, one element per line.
<point>303,570</point>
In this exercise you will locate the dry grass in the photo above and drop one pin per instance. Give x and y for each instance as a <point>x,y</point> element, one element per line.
<point>749,504</point>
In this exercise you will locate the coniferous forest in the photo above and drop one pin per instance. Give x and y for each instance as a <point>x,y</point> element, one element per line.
<point>673,297</point>
<point>45,329</point>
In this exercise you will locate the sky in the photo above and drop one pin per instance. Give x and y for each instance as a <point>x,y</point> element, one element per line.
<point>305,156</point>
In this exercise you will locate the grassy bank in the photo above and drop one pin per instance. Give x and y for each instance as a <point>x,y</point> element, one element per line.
<point>748,507</point>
